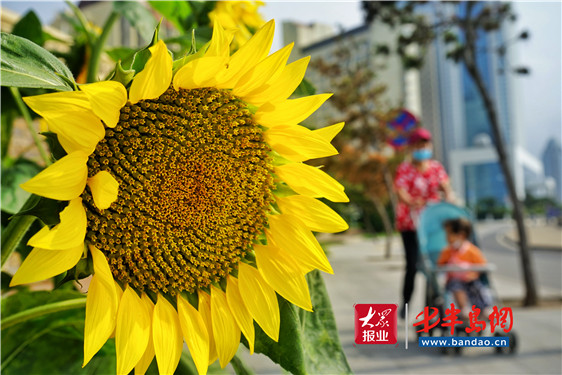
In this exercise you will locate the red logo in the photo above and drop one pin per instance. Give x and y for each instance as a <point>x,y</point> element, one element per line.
<point>376,323</point>
<point>428,319</point>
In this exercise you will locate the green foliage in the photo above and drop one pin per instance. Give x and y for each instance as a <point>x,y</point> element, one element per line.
<point>308,342</point>
<point>25,64</point>
<point>539,206</point>
<point>305,88</point>
<point>8,115</point>
<point>54,145</point>
<point>489,207</point>
<point>29,27</point>
<point>122,75</point>
<point>123,54</point>
<point>187,16</point>
<point>45,209</point>
<point>137,15</point>
<point>176,12</point>
<point>14,174</point>
<point>52,343</point>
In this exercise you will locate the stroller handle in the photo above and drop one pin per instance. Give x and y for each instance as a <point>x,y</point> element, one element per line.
<point>477,268</point>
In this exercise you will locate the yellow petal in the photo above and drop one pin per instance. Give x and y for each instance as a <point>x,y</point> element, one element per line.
<point>289,234</point>
<point>106,98</point>
<point>311,181</point>
<point>119,296</point>
<point>205,311</point>
<point>289,112</point>
<point>104,189</point>
<point>264,71</point>
<point>225,329</point>
<point>220,41</point>
<point>53,104</point>
<point>284,274</point>
<point>260,299</point>
<point>239,311</point>
<point>317,216</point>
<point>298,143</point>
<point>200,72</point>
<point>43,126</point>
<point>64,180</point>
<point>328,133</point>
<point>280,89</point>
<point>166,333</point>
<point>42,264</point>
<point>195,334</point>
<point>251,53</point>
<point>77,130</point>
<point>70,115</point>
<point>148,355</point>
<point>156,76</point>
<point>101,306</point>
<point>132,331</point>
<point>68,234</point>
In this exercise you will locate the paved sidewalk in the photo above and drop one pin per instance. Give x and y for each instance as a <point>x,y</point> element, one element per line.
<point>541,235</point>
<point>363,275</point>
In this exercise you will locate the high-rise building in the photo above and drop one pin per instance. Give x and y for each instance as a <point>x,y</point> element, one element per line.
<point>552,161</point>
<point>454,110</point>
<point>447,102</point>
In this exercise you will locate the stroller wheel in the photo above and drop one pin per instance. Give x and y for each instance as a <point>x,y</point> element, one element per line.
<point>512,344</point>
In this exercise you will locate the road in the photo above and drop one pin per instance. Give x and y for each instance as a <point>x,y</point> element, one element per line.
<point>547,264</point>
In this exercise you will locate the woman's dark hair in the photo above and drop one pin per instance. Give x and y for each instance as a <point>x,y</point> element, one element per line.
<point>458,226</point>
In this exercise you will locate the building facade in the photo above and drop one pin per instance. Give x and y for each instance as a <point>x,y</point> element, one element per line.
<point>453,108</point>
<point>447,102</point>
<point>552,161</point>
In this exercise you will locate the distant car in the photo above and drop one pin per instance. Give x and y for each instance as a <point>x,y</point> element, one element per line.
<point>554,213</point>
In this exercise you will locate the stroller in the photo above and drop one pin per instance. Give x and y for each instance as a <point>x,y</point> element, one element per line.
<point>432,239</point>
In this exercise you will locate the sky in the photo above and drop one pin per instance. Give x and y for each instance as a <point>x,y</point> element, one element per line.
<point>541,92</point>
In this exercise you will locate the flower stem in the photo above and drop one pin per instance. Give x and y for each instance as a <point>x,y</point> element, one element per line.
<point>98,47</point>
<point>42,310</point>
<point>13,233</point>
<point>27,116</point>
<point>83,22</point>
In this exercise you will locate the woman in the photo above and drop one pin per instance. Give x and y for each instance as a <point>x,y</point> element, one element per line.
<point>418,182</point>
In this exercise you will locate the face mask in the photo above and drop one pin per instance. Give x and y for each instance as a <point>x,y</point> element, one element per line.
<point>457,244</point>
<point>422,154</point>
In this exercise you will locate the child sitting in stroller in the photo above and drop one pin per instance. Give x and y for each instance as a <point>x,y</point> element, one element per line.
<point>466,287</point>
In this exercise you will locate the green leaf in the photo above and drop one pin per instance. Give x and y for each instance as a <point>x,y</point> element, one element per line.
<point>13,197</point>
<point>320,334</point>
<point>25,64</point>
<point>142,56</point>
<point>8,115</point>
<point>138,16</point>
<point>177,12</point>
<point>54,145</point>
<point>308,341</point>
<point>125,54</point>
<point>45,209</point>
<point>200,12</point>
<point>122,75</point>
<point>29,27</point>
<point>305,88</point>
<point>52,343</point>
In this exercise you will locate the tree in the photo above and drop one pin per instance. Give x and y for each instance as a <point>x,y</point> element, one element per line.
<point>461,30</point>
<point>356,99</point>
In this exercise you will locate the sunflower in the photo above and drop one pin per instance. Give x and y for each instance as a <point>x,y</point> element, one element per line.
<point>189,194</point>
<point>240,15</point>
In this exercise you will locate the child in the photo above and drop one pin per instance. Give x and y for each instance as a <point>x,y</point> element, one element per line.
<point>465,285</point>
